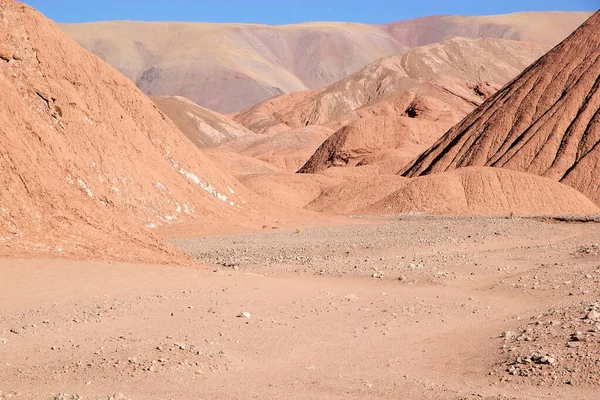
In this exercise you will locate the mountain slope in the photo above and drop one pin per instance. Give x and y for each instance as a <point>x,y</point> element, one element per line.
<point>350,145</point>
<point>451,71</point>
<point>546,122</point>
<point>545,28</point>
<point>88,163</point>
<point>405,102</point>
<point>205,128</point>
<point>229,67</point>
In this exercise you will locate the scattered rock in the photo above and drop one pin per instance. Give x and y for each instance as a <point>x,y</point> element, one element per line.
<point>245,314</point>
<point>67,396</point>
<point>118,396</point>
<point>593,315</point>
<point>578,337</point>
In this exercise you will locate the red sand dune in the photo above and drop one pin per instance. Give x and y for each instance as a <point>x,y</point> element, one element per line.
<point>545,122</point>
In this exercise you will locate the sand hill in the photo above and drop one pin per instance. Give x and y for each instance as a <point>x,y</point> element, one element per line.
<point>484,191</point>
<point>359,142</point>
<point>89,164</point>
<point>546,122</point>
<point>473,190</point>
<point>205,128</point>
<point>356,194</point>
<point>234,66</point>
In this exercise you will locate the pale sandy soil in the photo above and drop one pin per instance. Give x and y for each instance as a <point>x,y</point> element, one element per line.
<point>329,317</point>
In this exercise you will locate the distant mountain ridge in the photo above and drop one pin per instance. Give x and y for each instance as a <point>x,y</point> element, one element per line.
<point>230,67</point>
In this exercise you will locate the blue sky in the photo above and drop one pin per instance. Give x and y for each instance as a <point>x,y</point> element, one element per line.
<point>287,11</point>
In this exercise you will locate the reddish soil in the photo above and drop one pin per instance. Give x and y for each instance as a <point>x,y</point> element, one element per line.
<point>545,122</point>
<point>89,164</point>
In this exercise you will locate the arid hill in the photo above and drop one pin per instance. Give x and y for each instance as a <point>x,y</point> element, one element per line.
<point>287,150</point>
<point>229,67</point>
<point>546,28</point>
<point>406,102</point>
<point>545,122</point>
<point>88,164</point>
<point>473,190</point>
<point>234,66</point>
<point>205,128</point>
<point>457,72</point>
<point>355,194</point>
<point>358,141</point>
<point>265,117</point>
<point>289,189</point>
<point>238,165</point>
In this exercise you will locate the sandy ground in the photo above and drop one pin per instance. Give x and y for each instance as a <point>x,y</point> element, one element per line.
<point>411,308</point>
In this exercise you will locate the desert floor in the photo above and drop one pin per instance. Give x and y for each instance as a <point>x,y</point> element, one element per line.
<point>403,308</point>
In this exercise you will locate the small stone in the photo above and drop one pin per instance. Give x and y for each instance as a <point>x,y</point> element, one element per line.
<point>547,360</point>
<point>507,334</point>
<point>245,314</point>
<point>593,316</point>
<point>3,340</point>
<point>118,396</point>
<point>578,337</point>
<point>199,372</point>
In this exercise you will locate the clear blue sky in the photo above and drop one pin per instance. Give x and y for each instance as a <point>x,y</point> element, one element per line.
<point>288,11</point>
